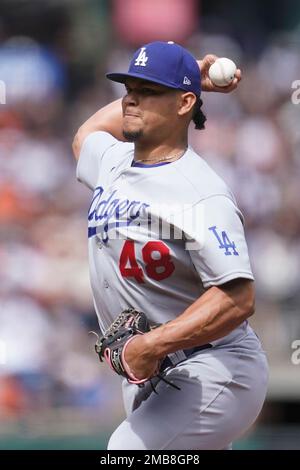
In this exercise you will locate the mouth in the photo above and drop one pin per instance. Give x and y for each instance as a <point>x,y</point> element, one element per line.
<point>130,114</point>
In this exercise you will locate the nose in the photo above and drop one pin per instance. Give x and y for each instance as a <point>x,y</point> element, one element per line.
<point>131,99</point>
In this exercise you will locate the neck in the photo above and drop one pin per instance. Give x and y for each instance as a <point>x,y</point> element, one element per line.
<point>160,151</point>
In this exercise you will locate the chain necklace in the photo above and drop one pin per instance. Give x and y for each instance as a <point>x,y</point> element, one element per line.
<point>164,159</point>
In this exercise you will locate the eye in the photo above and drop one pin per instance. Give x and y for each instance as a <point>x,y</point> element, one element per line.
<point>144,91</point>
<point>150,91</point>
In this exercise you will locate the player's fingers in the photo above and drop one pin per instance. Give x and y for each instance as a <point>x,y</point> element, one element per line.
<point>206,62</point>
<point>232,86</point>
<point>224,89</point>
<point>210,59</point>
<point>238,74</point>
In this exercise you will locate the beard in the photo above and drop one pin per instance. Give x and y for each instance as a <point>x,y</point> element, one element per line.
<point>132,136</point>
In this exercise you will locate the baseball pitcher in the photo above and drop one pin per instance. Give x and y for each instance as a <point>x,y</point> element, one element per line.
<point>169,266</point>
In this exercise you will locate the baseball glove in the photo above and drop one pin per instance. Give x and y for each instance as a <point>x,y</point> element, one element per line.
<point>112,345</point>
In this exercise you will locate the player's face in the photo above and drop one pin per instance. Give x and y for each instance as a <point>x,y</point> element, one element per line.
<point>149,110</point>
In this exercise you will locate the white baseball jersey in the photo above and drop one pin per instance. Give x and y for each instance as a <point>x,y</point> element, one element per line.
<point>158,235</point>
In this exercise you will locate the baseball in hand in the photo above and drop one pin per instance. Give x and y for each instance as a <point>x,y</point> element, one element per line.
<point>222,71</point>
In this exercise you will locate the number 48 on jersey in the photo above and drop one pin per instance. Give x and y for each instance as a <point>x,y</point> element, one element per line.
<point>157,259</point>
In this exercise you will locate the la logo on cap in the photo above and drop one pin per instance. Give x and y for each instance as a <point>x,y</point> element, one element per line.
<point>141,59</point>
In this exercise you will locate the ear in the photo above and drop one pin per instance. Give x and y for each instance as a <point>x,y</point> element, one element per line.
<point>186,102</point>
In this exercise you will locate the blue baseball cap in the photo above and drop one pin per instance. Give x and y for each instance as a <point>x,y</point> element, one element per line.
<point>165,63</point>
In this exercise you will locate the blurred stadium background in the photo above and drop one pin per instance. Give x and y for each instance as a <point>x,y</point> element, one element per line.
<point>53,57</point>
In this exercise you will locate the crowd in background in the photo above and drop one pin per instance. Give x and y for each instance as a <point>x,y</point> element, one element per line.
<point>252,139</point>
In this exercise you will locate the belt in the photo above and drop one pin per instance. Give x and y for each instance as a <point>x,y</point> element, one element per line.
<point>175,358</point>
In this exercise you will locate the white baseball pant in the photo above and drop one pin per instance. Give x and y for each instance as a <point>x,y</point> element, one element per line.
<point>222,392</point>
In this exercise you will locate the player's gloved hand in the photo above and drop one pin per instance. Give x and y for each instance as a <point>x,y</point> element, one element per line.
<point>207,84</point>
<point>122,347</point>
